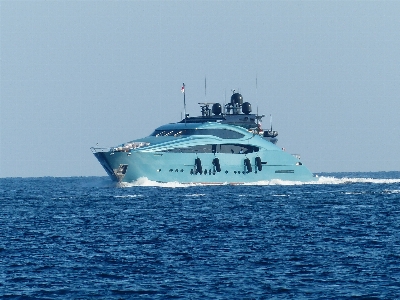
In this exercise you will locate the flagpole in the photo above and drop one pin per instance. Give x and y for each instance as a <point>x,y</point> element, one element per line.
<point>257,101</point>
<point>184,101</point>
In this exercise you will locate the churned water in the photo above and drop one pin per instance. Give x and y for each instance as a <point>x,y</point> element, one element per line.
<point>85,238</point>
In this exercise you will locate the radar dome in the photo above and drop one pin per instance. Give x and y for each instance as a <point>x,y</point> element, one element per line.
<point>246,108</point>
<point>236,98</point>
<point>216,109</point>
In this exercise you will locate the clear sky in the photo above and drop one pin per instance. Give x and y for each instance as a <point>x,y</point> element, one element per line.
<point>77,73</point>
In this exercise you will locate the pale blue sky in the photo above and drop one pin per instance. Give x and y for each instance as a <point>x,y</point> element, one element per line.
<point>77,73</point>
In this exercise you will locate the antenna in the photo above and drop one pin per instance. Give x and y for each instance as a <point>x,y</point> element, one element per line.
<point>257,99</point>
<point>270,121</point>
<point>205,89</point>
<point>184,100</point>
<point>225,103</point>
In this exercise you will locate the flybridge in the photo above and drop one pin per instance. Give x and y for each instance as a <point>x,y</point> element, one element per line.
<point>236,113</point>
<point>232,114</point>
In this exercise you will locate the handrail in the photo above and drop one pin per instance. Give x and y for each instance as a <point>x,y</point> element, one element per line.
<point>99,149</point>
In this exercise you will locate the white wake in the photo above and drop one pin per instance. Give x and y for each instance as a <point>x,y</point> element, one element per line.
<point>143,181</point>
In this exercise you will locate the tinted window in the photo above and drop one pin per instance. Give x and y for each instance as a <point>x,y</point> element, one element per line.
<point>221,133</point>
<point>224,148</point>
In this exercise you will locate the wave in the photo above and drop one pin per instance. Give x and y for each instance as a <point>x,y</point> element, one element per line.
<point>144,181</point>
<point>346,180</point>
<point>321,180</point>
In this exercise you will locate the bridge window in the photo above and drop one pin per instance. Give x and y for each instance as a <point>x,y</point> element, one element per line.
<point>221,133</point>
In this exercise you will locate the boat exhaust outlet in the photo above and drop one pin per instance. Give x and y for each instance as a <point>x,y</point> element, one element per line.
<point>199,168</point>
<point>216,164</point>
<point>247,163</point>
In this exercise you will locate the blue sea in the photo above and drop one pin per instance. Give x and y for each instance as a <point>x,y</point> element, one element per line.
<point>88,238</point>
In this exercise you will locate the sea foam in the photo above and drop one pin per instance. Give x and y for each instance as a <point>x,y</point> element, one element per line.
<point>321,180</point>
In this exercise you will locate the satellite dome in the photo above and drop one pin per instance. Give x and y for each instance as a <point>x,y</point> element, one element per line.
<point>246,108</point>
<point>236,98</point>
<point>216,109</point>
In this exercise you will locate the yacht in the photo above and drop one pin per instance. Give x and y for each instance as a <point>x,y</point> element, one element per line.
<point>224,145</point>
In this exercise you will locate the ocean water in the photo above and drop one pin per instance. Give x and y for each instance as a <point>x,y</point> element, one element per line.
<point>87,238</point>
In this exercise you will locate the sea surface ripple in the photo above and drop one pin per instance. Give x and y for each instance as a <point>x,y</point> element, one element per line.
<point>86,238</point>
